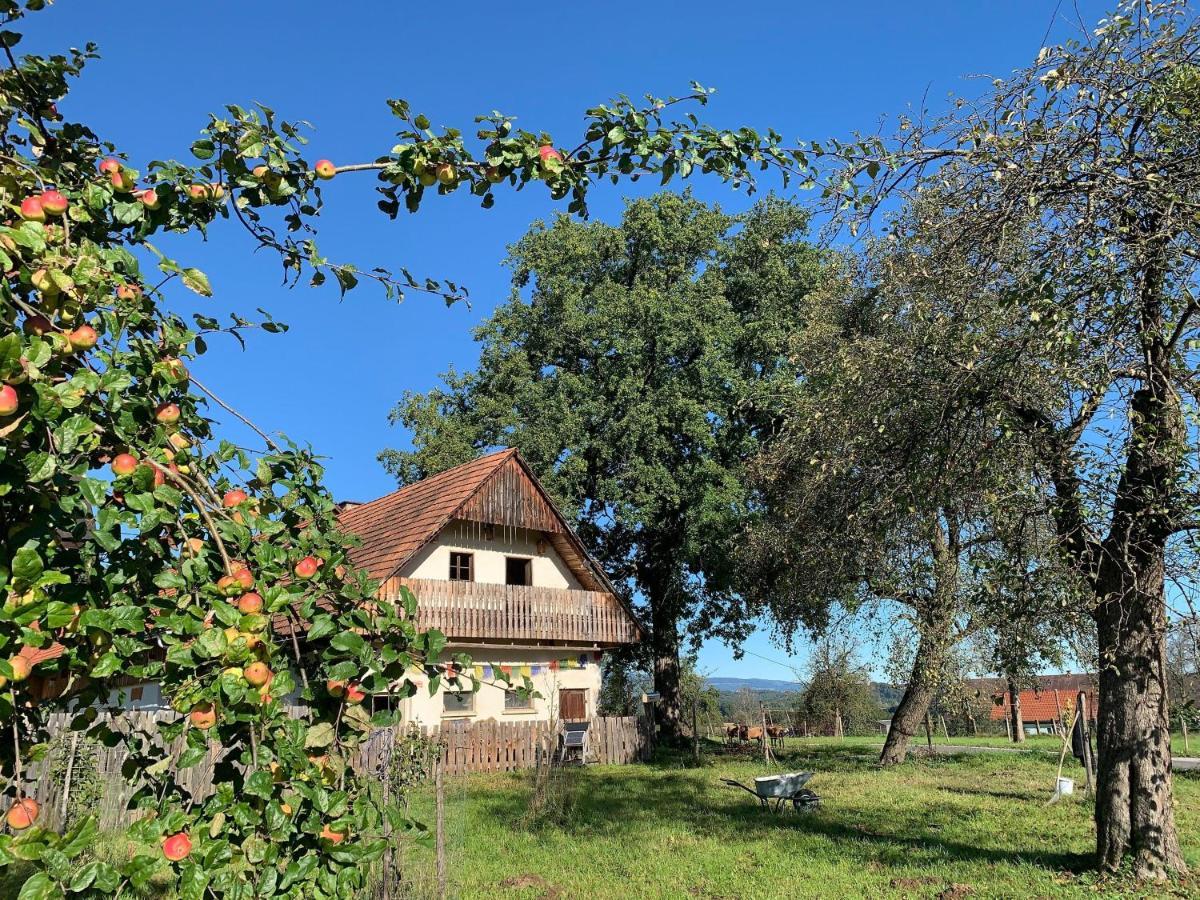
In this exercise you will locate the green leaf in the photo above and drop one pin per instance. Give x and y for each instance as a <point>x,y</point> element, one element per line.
<point>203,149</point>
<point>348,642</point>
<point>39,887</point>
<point>27,565</point>
<point>80,837</point>
<point>212,643</point>
<point>319,735</point>
<point>197,281</point>
<point>192,756</point>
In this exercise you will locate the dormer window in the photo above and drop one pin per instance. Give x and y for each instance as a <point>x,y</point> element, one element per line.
<point>518,570</point>
<point>462,566</point>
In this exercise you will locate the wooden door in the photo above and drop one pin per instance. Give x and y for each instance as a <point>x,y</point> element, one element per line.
<point>572,704</point>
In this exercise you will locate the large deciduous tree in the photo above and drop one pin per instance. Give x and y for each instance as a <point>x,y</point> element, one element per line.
<point>636,377</point>
<point>880,487</point>
<point>1070,197</point>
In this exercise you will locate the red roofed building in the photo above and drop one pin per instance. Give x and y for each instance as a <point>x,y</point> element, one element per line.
<point>1049,706</point>
<point>498,570</point>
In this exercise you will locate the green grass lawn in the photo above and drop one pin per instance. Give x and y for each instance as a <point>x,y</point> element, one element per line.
<point>947,827</point>
<point>1032,742</point>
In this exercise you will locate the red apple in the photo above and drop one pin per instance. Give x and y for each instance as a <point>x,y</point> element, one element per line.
<point>307,567</point>
<point>260,171</point>
<point>175,368</point>
<point>150,198</point>
<point>243,576</point>
<point>355,694</point>
<point>110,165</point>
<point>8,400</point>
<point>32,210</point>
<point>204,716</point>
<point>124,464</point>
<point>250,603</point>
<point>228,586</point>
<point>177,847</point>
<point>257,674</point>
<point>198,191</point>
<point>235,497</point>
<point>54,203</point>
<point>20,667</point>
<point>22,813</point>
<point>166,414</point>
<point>325,169</point>
<point>548,154</point>
<point>335,687</point>
<point>121,181</point>
<point>83,338</point>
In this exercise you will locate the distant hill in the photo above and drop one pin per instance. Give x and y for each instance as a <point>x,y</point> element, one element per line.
<point>755,684</point>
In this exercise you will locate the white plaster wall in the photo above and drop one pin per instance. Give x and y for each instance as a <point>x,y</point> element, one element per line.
<point>549,570</point>
<point>426,710</point>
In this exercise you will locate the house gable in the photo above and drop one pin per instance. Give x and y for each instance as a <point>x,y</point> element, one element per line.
<point>493,502</point>
<point>498,490</point>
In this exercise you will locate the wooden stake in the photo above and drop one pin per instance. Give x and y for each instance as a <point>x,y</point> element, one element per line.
<point>1081,706</point>
<point>695,734</point>
<point>928,730</point>
<point>441,829</point>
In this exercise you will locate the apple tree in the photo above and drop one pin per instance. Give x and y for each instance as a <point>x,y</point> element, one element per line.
<point>138,542</point>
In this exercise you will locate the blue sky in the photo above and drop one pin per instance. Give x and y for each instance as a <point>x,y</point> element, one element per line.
<point>810,70</point>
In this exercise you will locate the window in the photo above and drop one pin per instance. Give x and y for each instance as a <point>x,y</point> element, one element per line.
<point>462,566</point>
<point>516,701</point>
<point>458,702</point>
<point>518,570</point>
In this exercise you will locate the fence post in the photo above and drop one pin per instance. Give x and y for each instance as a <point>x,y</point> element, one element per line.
<point>1082,705</point>
<point>695,735</point>
<point>62,822</point>
<point>439,789</point>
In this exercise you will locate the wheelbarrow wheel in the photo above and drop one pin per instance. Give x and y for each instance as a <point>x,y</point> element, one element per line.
<point>805,800</point>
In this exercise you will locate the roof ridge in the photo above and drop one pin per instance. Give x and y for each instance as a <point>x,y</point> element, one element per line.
<point>359,504</point>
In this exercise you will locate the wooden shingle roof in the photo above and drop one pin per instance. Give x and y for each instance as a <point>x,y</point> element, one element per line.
<point>396,526</point>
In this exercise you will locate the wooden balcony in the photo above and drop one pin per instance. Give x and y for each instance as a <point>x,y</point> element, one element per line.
<point>471,611</point>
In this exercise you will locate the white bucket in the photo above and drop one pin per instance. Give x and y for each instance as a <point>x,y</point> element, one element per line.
<point>1065,786</point>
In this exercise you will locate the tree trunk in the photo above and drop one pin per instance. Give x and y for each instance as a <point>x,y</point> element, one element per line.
<point>935,623</point>
<point>918,694</point>
<point>1014,707</point>
<point>665,646</point>
<point>1134,808</point>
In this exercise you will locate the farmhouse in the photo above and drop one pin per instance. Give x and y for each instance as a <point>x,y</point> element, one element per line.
<point>498,570</point>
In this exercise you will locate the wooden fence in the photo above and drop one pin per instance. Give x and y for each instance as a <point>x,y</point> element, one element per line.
<point>466,746</point>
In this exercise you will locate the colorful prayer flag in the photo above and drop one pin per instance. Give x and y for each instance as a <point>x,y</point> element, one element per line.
<point>526,671</point>
<point>554,665</point>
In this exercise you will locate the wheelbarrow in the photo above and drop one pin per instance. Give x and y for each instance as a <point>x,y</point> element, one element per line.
<point>773,791</point>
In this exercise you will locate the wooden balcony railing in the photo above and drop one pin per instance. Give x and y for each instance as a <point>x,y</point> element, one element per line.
<point>465,610</point>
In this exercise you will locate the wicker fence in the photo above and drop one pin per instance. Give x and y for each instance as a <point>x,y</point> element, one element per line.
<point>467,746</point>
